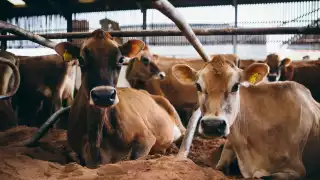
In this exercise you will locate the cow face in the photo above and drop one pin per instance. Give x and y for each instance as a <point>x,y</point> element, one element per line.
<point>144,67</point>
<point>100,59</point>
<point>276,66</point>
<point>218,86</point>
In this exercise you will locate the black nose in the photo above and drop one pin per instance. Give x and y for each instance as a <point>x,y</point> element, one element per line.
<point>103,97</point>
<point>272,78</point>
<point>162,75</point>
<point>214,127</point>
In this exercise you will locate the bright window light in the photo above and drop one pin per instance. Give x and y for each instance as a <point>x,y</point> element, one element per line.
<point>86,1</point>
<point>17,2</point>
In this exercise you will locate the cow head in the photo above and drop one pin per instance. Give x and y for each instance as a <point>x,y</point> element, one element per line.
<point>143,67</point>
<point>276,66</point>
<point>218,85</point>
<point>100,59</point>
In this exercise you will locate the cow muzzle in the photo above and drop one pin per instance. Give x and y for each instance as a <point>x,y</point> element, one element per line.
<point>213,127</point>
<point>103,96</point>
<point>272,77</point>
<point>161,75</point>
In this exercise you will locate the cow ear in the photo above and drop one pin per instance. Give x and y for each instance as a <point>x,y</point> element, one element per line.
<point>184,74</point>
<point>67,51</point>
<point>132,48</point>
<point>285,62</point>
<point>255,73</point>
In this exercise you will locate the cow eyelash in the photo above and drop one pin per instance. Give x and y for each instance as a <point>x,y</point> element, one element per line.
<point>198,87</point>
<point>235,87</point>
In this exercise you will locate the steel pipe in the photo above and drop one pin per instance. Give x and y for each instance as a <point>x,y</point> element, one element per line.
<point>200,32</point>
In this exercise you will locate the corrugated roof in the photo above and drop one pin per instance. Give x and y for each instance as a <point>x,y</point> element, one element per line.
<point>47,7</point>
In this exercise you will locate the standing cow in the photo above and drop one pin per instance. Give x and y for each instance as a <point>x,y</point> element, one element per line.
<point>46,81</point>
<point>273,128</point>
<point>306,73</point>
<point>106,122</point>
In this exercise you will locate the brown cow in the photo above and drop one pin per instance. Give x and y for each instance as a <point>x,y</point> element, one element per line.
<point>275,65</point>
<point>142,68</point>
<point>44,79</point>
<point>275,137</point>
<point>105,122</point>
<point>183,98</point>
<point>303,72</point>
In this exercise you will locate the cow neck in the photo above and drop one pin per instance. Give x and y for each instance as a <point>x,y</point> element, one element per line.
<point>104,117</point>
<point>290,73</point>
<point>107,116</point>
<point>137,83</point>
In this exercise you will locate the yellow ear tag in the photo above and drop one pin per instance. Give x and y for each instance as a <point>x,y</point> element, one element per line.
<point>67,56</point>
<point>253,78</point>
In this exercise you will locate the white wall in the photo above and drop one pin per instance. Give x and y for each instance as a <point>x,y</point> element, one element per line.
<point>243,51</point>
<point>32,51</point>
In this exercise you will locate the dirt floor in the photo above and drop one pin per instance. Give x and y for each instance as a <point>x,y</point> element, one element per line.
<point>53,159</point>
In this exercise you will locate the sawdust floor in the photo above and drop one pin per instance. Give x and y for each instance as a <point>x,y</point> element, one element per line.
<point>53,159</point>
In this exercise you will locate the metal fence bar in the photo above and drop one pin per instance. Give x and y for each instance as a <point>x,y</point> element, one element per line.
<point>203,32</point>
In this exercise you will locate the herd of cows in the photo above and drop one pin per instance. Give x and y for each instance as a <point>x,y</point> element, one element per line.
<point>271,126</point>
<point>267,109</point>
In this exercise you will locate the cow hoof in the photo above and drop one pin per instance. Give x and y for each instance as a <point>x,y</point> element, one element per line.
<point>223,168</point>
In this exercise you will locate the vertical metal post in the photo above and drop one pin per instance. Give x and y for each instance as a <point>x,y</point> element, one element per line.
<point>68,17</point>
<point>3,42</point>
<point>234,37</point>
<point>144,21</point>
<point>3,46</point>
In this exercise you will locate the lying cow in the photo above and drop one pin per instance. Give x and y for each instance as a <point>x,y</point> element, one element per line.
<point>141,69</point>
<point>272,128</point>
<point>106,122</point>
<point>44,79</point>
<point>183,98</point>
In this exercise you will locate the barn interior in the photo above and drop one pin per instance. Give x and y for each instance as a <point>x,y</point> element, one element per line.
<point>249,29</point>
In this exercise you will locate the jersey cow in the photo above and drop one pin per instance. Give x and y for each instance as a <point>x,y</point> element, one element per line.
<point>45,82</point>
<point>106,122</point>
<point>183,98</point>
<point>303,72</point>
<point>272,128</point>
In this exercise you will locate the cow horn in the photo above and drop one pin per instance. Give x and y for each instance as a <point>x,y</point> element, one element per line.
<point>168,9</point>
<point>4,26</point>
<point>16,78</point>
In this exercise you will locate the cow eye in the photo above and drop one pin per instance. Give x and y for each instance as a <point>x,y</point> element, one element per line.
<point>198,87</point>
<point>121,60</point>
<point>235,87</point>
<point>145,60</point>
